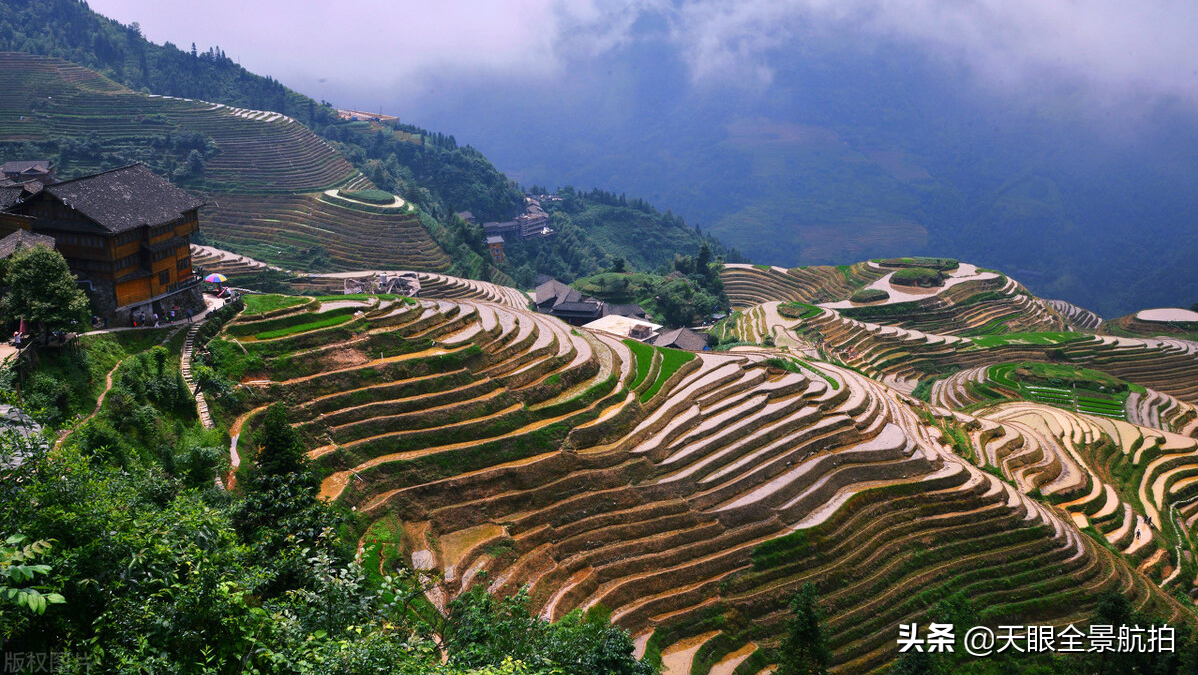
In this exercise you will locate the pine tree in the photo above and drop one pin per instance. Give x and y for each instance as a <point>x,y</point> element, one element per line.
<point>280,451</point>
<point>803,651</point>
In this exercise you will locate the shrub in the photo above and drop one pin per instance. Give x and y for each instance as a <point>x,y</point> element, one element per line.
<point>48,397</point>
<point>917,276</point>
<point>870,295</point>
<point>922,261</point>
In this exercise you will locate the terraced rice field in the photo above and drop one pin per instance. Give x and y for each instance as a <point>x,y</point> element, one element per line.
<point>264,183</point>
<point>692,497</point>
<point>259,151</point>
<point>353,239</point>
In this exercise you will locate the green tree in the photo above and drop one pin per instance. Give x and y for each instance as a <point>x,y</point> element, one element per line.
<point>913,663</point>
<point>42,290</point>
<point>280,450</point>
<point>803,651</point>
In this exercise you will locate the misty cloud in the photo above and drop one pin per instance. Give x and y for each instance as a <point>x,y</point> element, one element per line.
<point>1112,47</point>
<point>1141,47</point>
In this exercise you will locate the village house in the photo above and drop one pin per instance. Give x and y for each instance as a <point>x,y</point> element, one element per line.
<point>125,233</point>
<point>495,245</point>
<point>566,303</point>
<point>682,338</point>
<point>25,170</point>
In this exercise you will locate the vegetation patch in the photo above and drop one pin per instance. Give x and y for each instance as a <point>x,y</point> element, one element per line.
<point>380,197</point>
<point>870,295</point>
<point>671,361</point>
<point>268,302</point>
<point>303,327</point>
<point>1047,338</point>
<point>644,360</point>
<point>798,310</point>
<point>941,264</point>
<point>924,277</point>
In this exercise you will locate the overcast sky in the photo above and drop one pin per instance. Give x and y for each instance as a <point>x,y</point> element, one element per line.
<point>1111,49</point>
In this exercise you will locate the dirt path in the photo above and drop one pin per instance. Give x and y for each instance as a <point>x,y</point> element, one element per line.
<point>107,387</point>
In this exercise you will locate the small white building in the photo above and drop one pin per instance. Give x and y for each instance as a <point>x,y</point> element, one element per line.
<point>625,327</point>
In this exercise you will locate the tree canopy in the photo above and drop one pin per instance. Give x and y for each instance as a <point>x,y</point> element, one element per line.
<point>42,290</point>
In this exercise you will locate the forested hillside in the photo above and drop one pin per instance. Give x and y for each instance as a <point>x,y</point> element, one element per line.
<point>427,169</point>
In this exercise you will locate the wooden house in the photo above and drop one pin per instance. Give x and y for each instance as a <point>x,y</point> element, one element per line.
<point>126,233</point>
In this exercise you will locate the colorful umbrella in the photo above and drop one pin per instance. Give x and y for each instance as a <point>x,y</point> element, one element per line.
<point>216,278</point>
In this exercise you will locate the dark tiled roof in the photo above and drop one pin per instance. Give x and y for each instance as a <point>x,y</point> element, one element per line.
<point>22,238</point>
<point>556,292</point>
<point>14,192</point>
<point>630,311</point>
<point>9,195</point>
<point>23,165</point>
<point>581,309</point>
<point>681,338</point>
<point>125,198</point>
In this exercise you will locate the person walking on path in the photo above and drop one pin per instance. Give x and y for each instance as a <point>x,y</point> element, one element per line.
<point>155,319</point>
<point>188,315</point>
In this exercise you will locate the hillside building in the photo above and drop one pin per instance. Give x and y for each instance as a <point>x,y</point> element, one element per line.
<point>22,239</point>
<point>625,327</point>
<point>534,222</point>
<point>682,338</point>
<point>26,170</point>
<point>126,233</point>
<point>495,245</point>
<point>568,304</point>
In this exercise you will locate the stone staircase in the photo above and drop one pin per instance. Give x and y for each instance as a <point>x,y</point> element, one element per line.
<point>185,367</point>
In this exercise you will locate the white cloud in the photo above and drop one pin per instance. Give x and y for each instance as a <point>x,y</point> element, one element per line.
<point>1111,46</point>
<point>1144,46</point>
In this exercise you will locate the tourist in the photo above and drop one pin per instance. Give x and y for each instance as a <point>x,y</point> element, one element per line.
<point>188,315</point>
<point>155,319</point>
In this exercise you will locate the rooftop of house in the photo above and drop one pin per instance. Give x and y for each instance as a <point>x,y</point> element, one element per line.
<point>633,311</point>
<point>22,239</point>
<point>588,307</point>
<point>682,338</point>
<point>13,193</point>
<point>554,293</point>
<point>495,239</point>
<point>27,166</point>
<point>621,325</point>
<point>125,198</point>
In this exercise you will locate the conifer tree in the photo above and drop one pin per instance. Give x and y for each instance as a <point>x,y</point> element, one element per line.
<point>803,651</point>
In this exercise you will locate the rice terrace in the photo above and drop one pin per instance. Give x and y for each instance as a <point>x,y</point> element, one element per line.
<point>289,388</point>
<point>691,494</point>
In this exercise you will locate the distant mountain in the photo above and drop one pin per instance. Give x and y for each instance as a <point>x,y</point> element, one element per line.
<point>856,151</point>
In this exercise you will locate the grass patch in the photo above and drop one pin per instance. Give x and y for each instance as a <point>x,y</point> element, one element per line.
<point>260,304</point>
<point>671,361</point>
<point>1028,339</point>
<point>835,384</point>
<point>644,360</point>
<point>304,327</point>
<point>798,310</point>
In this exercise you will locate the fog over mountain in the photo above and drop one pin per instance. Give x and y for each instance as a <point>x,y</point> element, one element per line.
<point>1054,140</point>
